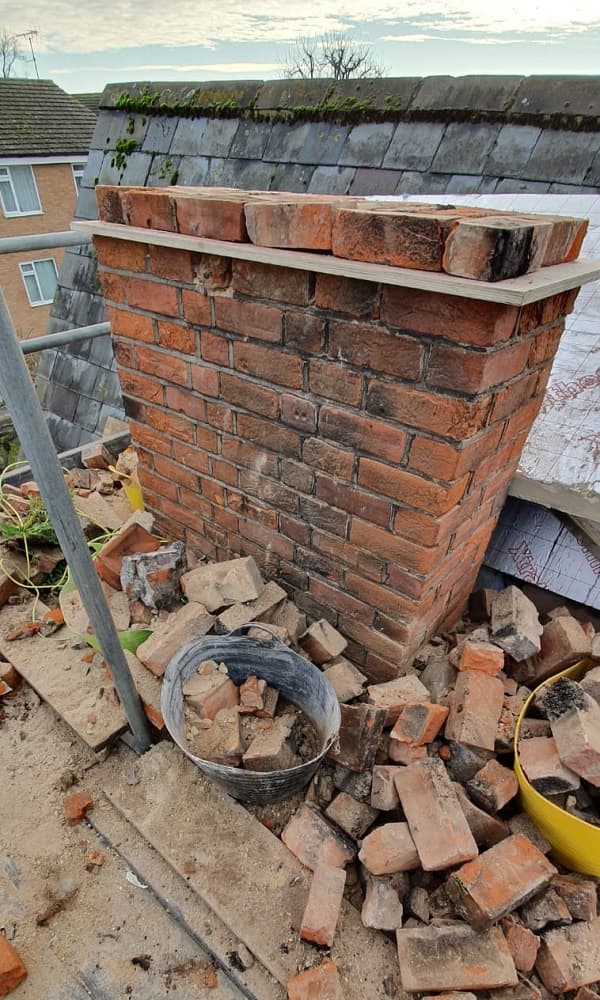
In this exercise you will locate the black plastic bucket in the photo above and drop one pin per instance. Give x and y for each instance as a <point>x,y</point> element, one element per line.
<point>295,678</point>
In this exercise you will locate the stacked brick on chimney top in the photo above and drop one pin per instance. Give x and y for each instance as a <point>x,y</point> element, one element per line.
<point>355,436</point>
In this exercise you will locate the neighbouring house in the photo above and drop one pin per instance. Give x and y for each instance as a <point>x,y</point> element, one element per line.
<point>45,136</point>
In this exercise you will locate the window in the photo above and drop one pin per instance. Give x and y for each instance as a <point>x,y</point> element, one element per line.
<point>39,278</point>
<point>78,169</point>
<point>18,191</point>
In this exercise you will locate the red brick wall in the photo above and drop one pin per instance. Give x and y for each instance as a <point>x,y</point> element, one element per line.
<point>358,440</point>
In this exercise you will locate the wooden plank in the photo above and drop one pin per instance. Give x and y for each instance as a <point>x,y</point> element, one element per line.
<point>57,673</point>
<point>514,291</point>
<point>180,901</point>
<point>243,872</point>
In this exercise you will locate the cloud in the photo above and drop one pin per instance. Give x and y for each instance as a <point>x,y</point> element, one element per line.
<point>474,39</point>
<point>229,68</point>
<point>66,26</point>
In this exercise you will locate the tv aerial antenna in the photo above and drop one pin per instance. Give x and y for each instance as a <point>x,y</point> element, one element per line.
<point>30,35</point>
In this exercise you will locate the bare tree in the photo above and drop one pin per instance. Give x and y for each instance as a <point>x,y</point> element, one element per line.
<point>11,51</point>
<point>335,55</point>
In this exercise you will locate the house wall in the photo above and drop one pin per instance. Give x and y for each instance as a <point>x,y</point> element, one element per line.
<point>58,195</point>
<point>391,136</point>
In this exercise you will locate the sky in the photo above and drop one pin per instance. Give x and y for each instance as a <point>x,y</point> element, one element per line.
<point>84,46</point>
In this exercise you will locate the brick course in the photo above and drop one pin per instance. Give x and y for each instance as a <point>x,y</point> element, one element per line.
<point>361,460</point>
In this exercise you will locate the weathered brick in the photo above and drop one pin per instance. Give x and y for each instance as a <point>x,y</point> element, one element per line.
<point>303,332</point>
<point>322,982</point>
<point>265,281</point>
<point>12,968</point>
<point>196,307</point>
<point>176,338</point>
<point>163,365</point>
<point>299,412</point>
<point>190,622</point>
<point>358,740</point>
<point>131,325</point>
<point>353,500</point>
<point>465,321</point>
<point>313,840</point>
<point>216,218</point>
<point>493,786</point>
<point>543,767</point>
<point>148,209</point>
<point>166,262</point>
<point>483,891</point>
<point>398,238</point>
<point>496,247</point>
<point>472,372</point>
<point>293,225</point>
<point>250,396</point>
<point>394,695</point>
<point>463,959</point>
<point>75,807</point>
<point>570,957</point>
<point>278,439</point>
<point>322,455</point>
<point>153,296</point>
<point>435,818</point>
<point>443,415</point>
<point>580,895</point>
<point>382,908</point>
<point>355,431</point>
<point>475,707</point>
<point>409,488</point>
<point>186,402</point>
<point>336,293</point>
<point>379,541</point>
<point>123,255</point>
<point>249,319</point>
<point>353,817</point>
<point>419,723</point>
<point>523,944</point>
<point>389,849</point>
<point>329,380</point>
<point>269,365</point>
<point>366,345</point>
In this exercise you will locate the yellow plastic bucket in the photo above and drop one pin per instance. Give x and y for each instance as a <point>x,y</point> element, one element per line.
<point>575,843</point>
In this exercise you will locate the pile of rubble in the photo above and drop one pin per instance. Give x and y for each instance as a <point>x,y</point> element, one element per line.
<point>414,816</point>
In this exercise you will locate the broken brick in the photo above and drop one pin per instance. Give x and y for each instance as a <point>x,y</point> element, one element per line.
<point>261,609</point>
<point>208,694</point>
<point>570,957</point>
<point>321,983</point>
<point>251,695</point>
<point>153,577</point>
<point>481,656</point>
<point>475,709</point>
<point>323,906</point>
<point>546,909</point>
<point>76,805</point>
<point>403,753</point>
<point>359,735</point>
<point>463,761</point>
<point>523,944</point>
<point>270,749</point>
<point>191,622</point>
<point>389,849</point>
<point>564,641</point>
<point>575,722</point>
<point>498,881</point>
<point>383,789</point>
<point>96,455</point>
<point>454,957</point>
<point>323,642</point>
<point>221,742</point>
<point>9,676</point>
<point>439,677</point>
<point>515,625</point>
<point>435,818</point>
<point>493,786</point>
<point>487,830</point>
<point>419,723</point>
<point>543,767</point>
<point>132,538</point>
<point>353,817</point>
<point>494,248</point>
<point>580,895</point>
<point>217,585</point>
<point>394,695</point>
<point>312,839</point>
<point>12,969</point>
<point>381,908</point>
<point>345,679</point>
<point>590,682</point>
<point>522,823</point>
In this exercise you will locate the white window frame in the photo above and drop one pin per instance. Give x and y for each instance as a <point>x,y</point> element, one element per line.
<point>32,263</point>
<point>78,170</point>
<point>5,167</point>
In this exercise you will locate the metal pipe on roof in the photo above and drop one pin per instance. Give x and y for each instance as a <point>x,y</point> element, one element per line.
<point>16,388</point>
<point>65,337</point>
<point>42,241</point>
